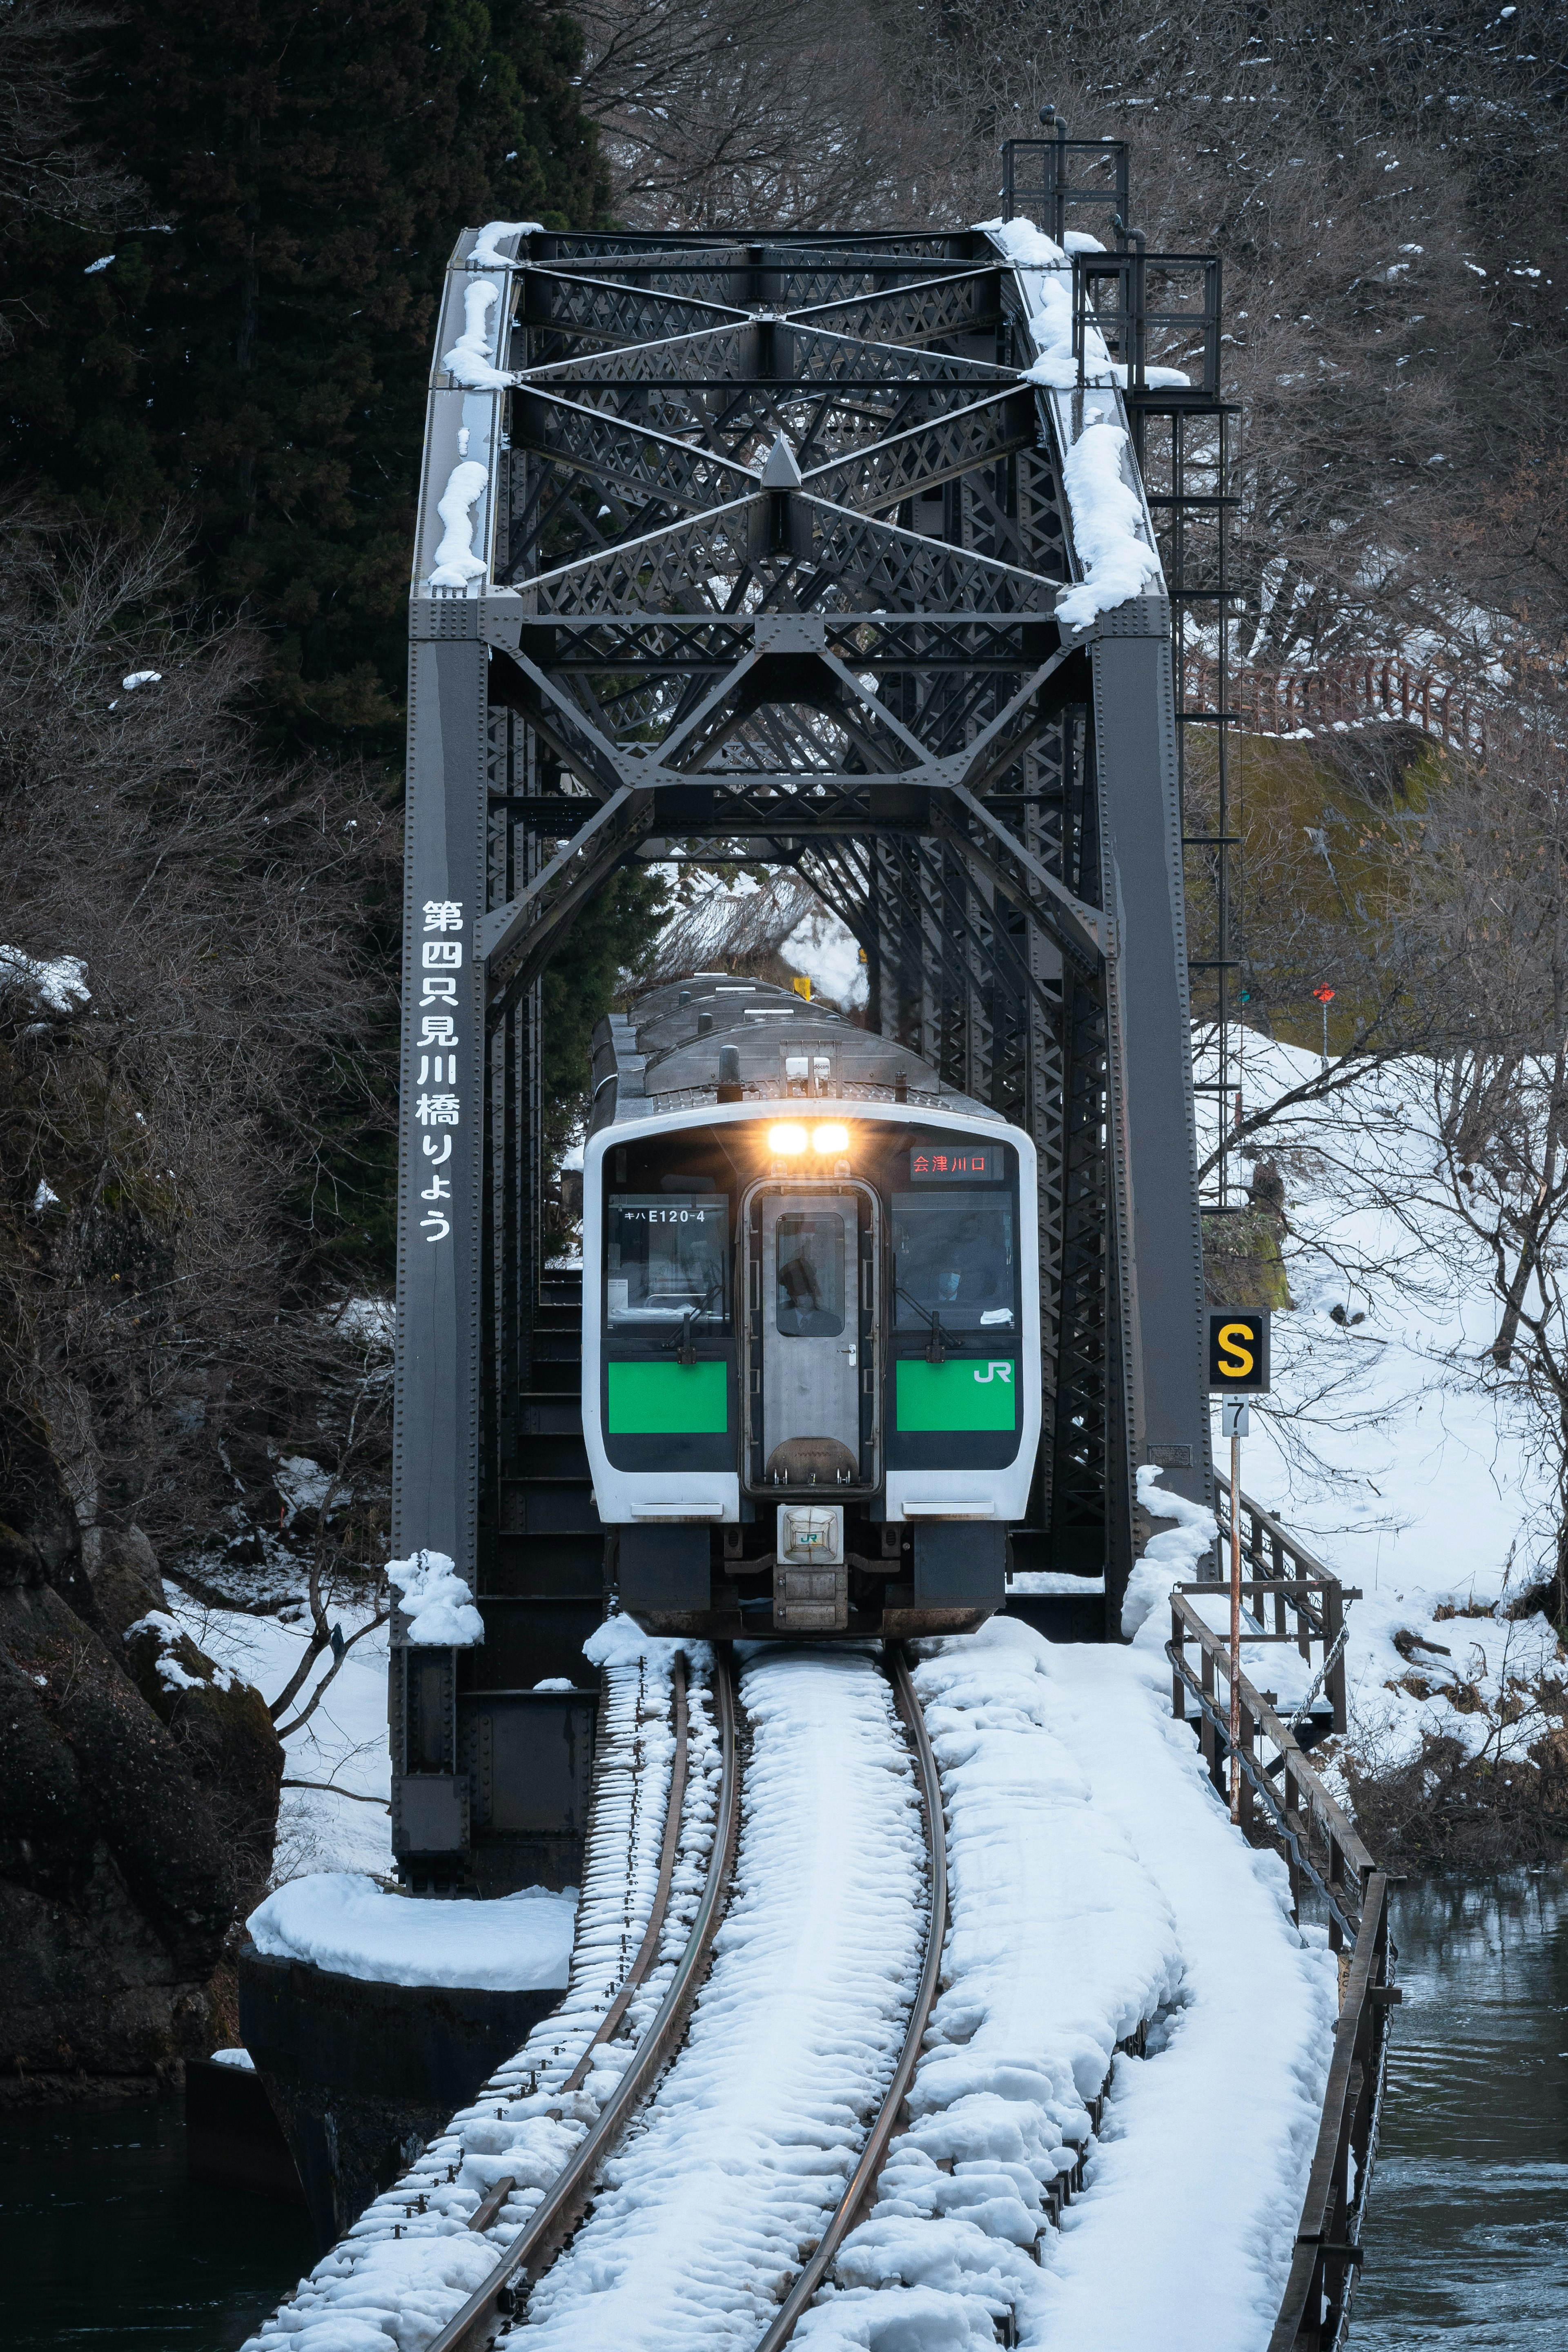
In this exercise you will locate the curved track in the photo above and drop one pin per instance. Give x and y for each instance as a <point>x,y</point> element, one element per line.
<point>535,2246</point>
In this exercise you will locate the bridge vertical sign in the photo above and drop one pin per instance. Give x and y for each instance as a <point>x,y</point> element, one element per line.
<point>441,1144</point>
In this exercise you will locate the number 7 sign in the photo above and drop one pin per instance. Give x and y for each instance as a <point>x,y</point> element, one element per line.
<point>1238,1351</point>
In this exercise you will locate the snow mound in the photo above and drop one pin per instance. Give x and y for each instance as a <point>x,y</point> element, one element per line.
<point>58,982</point>
<point>471,359</point>
<point>1095,1883</point>
<point>343,1921</point>
<point>1173,1557</point>
<point>485,253</point>
<point>436,1602</point>
<point>1107,526</point>
<point>456,563</point>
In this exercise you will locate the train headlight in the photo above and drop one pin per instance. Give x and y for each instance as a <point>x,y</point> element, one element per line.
<point>786,1142</point>
<point>830,1141</point>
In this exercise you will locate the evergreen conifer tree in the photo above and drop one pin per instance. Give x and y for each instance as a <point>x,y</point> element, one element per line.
<point>256,351</point>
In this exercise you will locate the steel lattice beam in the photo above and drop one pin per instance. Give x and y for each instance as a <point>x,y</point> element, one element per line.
<point>753,547</point>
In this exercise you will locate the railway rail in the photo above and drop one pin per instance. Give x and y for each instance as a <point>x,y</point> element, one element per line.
<point>494,2307</point>
<point>538,2242</point>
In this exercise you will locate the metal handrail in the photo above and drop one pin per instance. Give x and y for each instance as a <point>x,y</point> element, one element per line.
<point>1187,1625</point>
<point>1315,2310</point>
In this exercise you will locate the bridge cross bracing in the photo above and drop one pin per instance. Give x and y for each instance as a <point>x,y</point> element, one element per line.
<point>755,547</point>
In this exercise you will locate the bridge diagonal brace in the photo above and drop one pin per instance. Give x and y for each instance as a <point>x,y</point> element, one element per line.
<point>1000,951</point>
<point>625,453</point>
<point>513,942</point>
<point>928,453</point>
<point>602,764</point>
<point>975,776</point>
<point>1086,935</point>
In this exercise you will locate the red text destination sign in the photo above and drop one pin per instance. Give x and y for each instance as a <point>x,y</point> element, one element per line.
<point>960,1162</point>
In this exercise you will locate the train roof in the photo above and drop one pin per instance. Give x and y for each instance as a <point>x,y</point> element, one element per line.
<point>663,1056</point>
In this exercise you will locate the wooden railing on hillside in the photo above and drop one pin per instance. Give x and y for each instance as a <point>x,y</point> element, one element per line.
<point>1351,694</point>
<point>1286,1805</point>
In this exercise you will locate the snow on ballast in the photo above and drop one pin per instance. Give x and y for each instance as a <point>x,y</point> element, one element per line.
<point>1095,1884</point>
<point>411,2261</point>
<point>705,2213</point>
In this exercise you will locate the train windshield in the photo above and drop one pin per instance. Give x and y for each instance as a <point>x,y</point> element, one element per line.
<point>953,1258</point>
<point>667,1258</point>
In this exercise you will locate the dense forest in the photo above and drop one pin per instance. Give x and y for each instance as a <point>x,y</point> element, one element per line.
<point>222,234</point>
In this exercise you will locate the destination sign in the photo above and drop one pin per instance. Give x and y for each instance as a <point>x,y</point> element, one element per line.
<point>958,1162</point>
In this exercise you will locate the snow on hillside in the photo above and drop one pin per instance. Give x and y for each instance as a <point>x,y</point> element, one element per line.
<point>342,1821</point>
<point>1386,1448</point>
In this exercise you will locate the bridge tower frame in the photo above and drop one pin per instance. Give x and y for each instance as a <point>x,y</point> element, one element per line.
<point>754,545</point>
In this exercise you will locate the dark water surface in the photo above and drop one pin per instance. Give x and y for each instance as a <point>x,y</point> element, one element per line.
<point>1467,2234</point>
<point>103,2240</point>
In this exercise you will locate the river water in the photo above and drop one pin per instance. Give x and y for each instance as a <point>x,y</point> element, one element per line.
<point>1467,2233</point>
<point>103,2240</point>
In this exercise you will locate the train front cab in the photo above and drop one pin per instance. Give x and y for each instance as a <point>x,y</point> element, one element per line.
<point>811,1367</point>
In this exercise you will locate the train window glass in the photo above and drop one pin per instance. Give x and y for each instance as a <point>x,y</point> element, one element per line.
<point>667,1258</point>
<point>810,1303</point>
<point>954,1257</point>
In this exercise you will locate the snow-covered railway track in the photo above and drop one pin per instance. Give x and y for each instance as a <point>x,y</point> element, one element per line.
<point>714,2223</point>
<point>536,2244</point>
<point>862,2182</point>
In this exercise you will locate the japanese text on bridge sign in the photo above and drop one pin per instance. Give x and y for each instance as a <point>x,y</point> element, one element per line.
<point>437,1101</point>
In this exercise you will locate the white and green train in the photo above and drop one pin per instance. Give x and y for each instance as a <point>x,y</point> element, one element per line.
<point>811,1346</point>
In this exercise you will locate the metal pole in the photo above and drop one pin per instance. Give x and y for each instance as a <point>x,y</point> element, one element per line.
<point>1325,1036</point>
<point>1235,1418</point>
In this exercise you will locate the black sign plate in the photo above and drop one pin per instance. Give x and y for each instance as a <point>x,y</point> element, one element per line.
<point>1238,1351</point>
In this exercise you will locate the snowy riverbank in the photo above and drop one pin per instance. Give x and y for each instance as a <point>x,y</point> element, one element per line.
<point>1390,1447</point>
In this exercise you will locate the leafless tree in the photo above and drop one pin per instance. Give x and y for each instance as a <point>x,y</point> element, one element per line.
<point>732,114</point>
<point>191,1010</point>
<point>48,164</point>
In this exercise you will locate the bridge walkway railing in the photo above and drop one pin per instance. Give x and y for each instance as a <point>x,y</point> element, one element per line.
<point>1286,1805</point>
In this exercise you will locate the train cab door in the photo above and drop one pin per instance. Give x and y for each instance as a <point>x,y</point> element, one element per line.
<point>817,1280</point>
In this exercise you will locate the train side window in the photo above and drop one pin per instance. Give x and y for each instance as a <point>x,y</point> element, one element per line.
<point>810,1275</point>
<point>667,1257</point>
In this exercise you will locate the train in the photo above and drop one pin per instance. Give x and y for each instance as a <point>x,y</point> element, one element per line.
<point>811,1322</point>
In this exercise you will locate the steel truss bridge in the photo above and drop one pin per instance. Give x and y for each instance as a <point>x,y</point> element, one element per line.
<point>776,548</point>
<point>753,547</point>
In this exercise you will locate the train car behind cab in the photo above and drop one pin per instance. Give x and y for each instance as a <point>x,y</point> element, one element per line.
<point>811,1323</point>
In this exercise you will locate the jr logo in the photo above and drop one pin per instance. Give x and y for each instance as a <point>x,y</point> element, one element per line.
<point>994,1372</point>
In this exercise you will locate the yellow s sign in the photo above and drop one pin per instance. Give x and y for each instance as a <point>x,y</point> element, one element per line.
<point>1234,1342</point>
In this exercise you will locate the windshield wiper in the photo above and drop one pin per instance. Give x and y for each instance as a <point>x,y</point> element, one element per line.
<point>685,1346</point>
<point>936,1347</point>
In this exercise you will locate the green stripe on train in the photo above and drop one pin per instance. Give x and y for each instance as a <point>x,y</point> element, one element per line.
<point>958,1395</point>
<point>669,1399</point>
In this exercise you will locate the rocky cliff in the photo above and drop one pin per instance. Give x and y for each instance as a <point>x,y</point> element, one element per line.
<point>141,1806</point>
